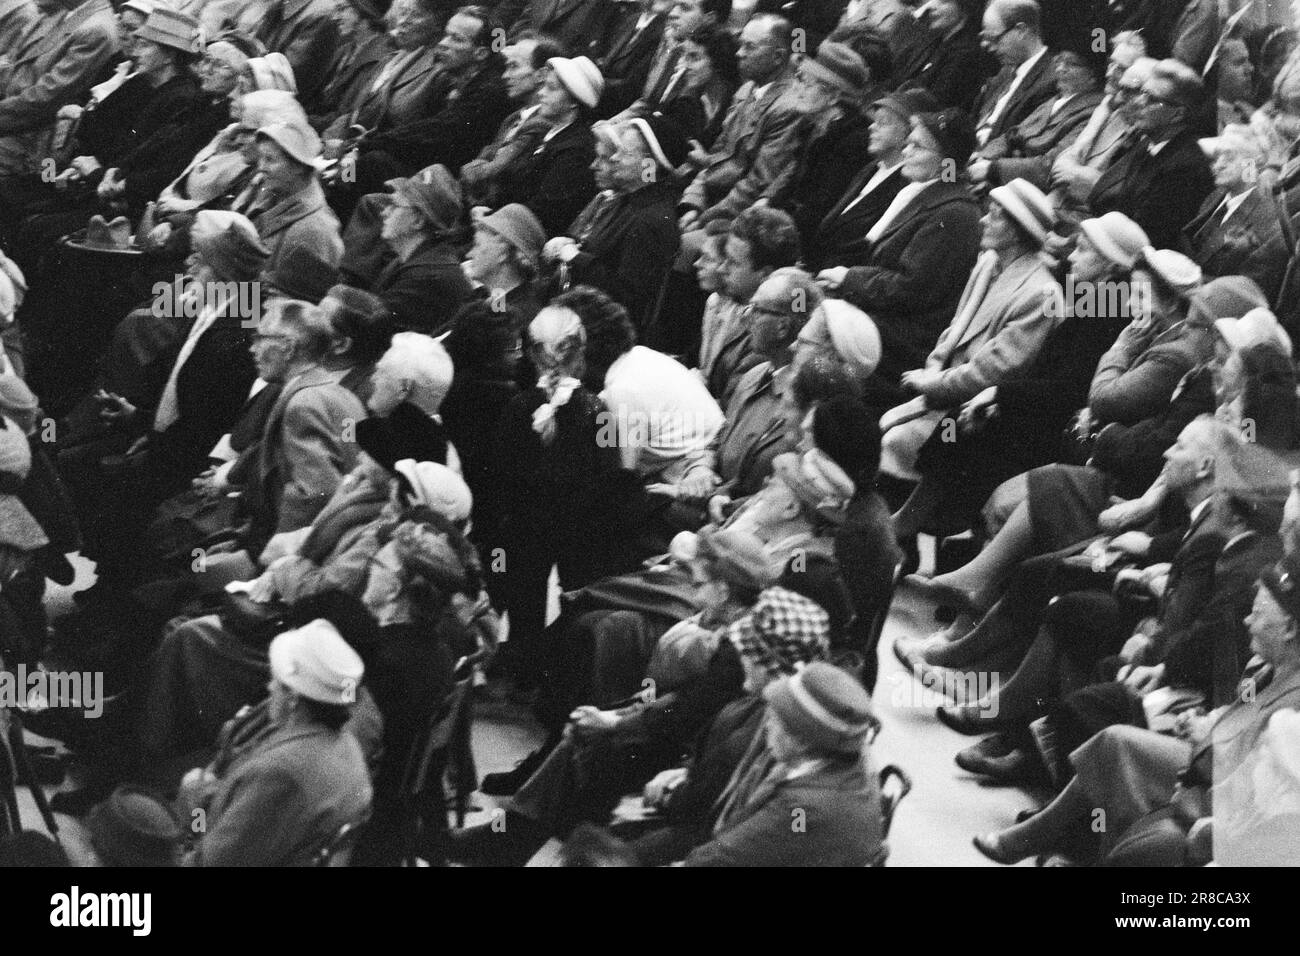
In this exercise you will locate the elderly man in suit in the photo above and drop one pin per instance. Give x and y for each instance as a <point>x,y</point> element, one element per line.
<point>283,798</point>
<point>1009,306</point>
<point>760,137</point>
<point>952,65</point>
<point>841,233</point>
<point>918,254</point>
<point>1160,179</point>
<point>634,37</point>
<point>1012,31</point>
<point>53,64</point>
<point>1238,218</point>
<point>1028,149</point>
<point>307,445</point>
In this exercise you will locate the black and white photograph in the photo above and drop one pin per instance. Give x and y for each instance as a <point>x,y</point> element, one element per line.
<point>651,434</point>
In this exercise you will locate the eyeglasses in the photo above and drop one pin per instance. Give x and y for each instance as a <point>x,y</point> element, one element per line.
<point>995,40</point>
<point>1147,96</point>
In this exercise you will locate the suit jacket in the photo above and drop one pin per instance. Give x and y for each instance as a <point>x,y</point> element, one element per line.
<point>1222,247</point>
<point>554,180</point>
<point>425,290</point>
<point>626,63</point>
<point>54,64</point>
<point>760,139</point>
<point>303,219</point>
<point>579,25</point>
<point>1037,86</point>
<point>1003,336</point>
<point>456,120</point>
<point>305,32</point>
<point>1028,150</point>
<point>349,77</point>
<point>952,68</point>
<point>630,249</point>
<point>1160,193</point>
<point>16,18</point>
<point>1099,141</point>
<point>838,804</point>
<point>304,454</point>
<point>1210,650</point>
<point>825,167</point>
<point>752,435</point>
<point>401,99</point>
<point>841,236</point>
<point>282,799</point>
<point>910,280</point>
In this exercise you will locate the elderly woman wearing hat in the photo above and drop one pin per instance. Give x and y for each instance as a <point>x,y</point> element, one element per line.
<point>1133,774</point>
<point>921,247</point>
<point>254,818</point>
<point>555,180</point>
<point>1010,305</point>
<point>423,284</point>
<point>631,243</point>
<point>504,259</point>
<point>1016,425</point>
<point>292,211</point>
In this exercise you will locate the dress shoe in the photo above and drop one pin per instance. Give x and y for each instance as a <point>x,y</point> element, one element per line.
<point>990,844</point>
<point>994,745</point>
<point>910,651</point>
<point>1016,767</point>
<point>506,783</point>
<point>965,720</point>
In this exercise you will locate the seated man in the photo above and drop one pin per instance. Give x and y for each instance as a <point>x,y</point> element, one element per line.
<point>282,800</point>
<point>1238,219</point>
<point>75,45</point>
<point>1160,179</point>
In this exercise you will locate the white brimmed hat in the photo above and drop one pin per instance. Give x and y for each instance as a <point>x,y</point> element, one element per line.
<point>1175,269</point>
<point>581,77</point>
<point>1256,327</point>
<point>1117,237</point>
<point>1025,203</point>
<point>315,662</point>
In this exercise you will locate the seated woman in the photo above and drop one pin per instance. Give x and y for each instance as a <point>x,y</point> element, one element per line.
<point>698,102</point>
<point>314,676</point>
<point>630,244</point>
<point>503,261</point>
<point>1028,149</point>
<point>555,180</point>
<point>1009,306</point>
<point>423,284</point>
<point>1133,774</point>
<point>289,207</point>
<point>922,250</point>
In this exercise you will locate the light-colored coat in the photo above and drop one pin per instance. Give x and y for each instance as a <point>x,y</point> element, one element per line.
<point>1020,309</point>
<point>54,64</point>
<point>304,219</point>
<point>307,447</point>
<point>284,799</point>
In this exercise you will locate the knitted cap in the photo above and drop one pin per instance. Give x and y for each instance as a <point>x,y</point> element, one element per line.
<point>781,632</point>
<point>840,66</point>
<point>135,827</point>
<point>315,662</point>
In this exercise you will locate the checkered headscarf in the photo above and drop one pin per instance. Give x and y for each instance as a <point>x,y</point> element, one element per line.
<point>782,631</point>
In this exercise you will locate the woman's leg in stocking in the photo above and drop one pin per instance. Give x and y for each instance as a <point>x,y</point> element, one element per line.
<point>1052,829</point>
<point>983,576</point>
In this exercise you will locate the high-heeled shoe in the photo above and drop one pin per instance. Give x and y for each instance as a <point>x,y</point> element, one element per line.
<point>945,595</point>
<point>966,721</point>
<point>990,844</point>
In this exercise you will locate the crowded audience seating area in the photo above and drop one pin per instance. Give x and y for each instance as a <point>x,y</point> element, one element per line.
<point>649,432</point>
